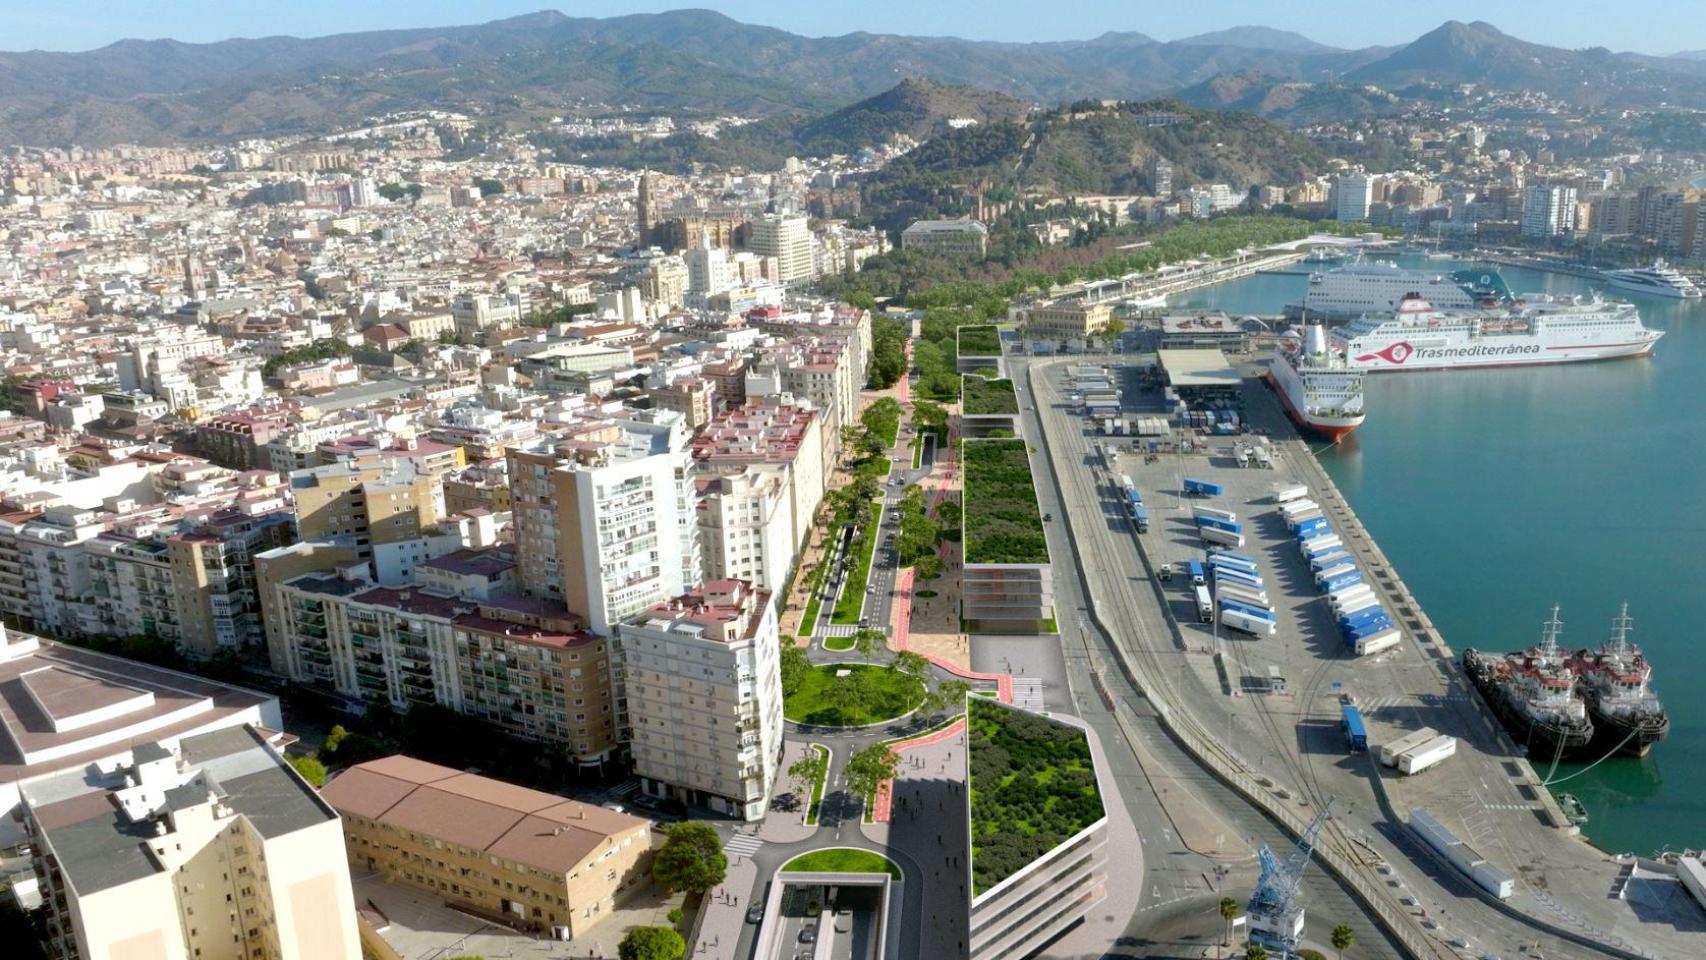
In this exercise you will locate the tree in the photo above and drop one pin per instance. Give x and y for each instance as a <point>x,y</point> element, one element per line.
<point>489,186</point>
<point>1228,910</point>
<point>1255,951</point>
<point>312,770</point>
<point>691,859</point>
<point>914,665</point>
<point>795,665</point>
<point>651,943</point>
<point>808,770</point>
<point>949,696</point>
<point>865,641</point>
<point>870,767</point>
<point>849,695</point>
<point>1343,939</point>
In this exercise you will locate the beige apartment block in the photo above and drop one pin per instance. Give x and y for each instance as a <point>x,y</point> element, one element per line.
<point>528,859</point>
<point>217,850</point>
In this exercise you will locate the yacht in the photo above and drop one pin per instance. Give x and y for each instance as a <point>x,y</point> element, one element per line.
<point>1658,280</point>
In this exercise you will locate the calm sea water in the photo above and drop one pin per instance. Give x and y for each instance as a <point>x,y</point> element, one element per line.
<point>1497,493</point>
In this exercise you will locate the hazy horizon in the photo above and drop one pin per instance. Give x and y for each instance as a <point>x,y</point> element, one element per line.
<point>81,25</point>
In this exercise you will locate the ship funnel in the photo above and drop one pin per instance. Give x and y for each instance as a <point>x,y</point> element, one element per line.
<point>1315,339</point>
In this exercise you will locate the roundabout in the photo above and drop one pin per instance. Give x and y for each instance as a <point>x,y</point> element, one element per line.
<point>853,695</point>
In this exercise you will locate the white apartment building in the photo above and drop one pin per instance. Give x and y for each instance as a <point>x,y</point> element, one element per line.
<point>214,850</point>
<point>704,697</point>
<point>473,312</point>
<point>709,270</point>
<point>1352,196</point>
<point>746,525</point>
<point>604,517</point>
<point>788,238</point>
<point>1548,211</point>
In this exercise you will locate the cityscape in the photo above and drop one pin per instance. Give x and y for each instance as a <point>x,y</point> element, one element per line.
<point>661,487</point>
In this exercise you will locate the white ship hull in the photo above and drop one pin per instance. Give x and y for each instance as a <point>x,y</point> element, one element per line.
<point>1654,290</point>
<point>1303,405</point>
<point>1420,338</point>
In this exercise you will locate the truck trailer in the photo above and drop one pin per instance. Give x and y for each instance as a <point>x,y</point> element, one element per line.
<point>1224,537</point>
<point>1205,604</point>
<point>1368,646</point>
<point>1287,492</point>
<point>1430,754</point>
<point>1387,753</point>
<point>1356,736</point>
<point>1244,623</point>
<point>1199,511</point>
<point>1202,488</point>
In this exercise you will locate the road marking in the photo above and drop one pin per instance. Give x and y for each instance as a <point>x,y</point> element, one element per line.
<point>744,844</point>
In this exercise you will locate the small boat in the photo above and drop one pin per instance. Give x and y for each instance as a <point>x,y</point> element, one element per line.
<point>1573,809</point>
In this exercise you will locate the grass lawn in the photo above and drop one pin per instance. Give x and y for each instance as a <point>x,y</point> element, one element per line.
<point>852,600</point>
<point>817,787</point>
<point>838,643</point>
<point>808,624</point>
<point>843,860</point>
<point>917,450</point>
<point>893,695</point>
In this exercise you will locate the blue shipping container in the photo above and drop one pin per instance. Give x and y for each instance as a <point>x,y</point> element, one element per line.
<point>1369,629</point>
<point>1238,576</point>
<point>1227,525</point>
<point>1356,736</point>
<point>1329,561</point>
<point>1228,554</point>
<point>1312,528</point>
<point>1227,563</point>
<point>1203,488</point>
<point>1361,616</point>
<point>1195,568</point>
<point>1247,608</point>
<point>1339,583</point>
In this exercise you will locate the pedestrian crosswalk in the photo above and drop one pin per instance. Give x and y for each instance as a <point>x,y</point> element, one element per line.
<point>1028,694</point>
<point>743,844</point>
<point>624,790</point>
<point>838,630</point>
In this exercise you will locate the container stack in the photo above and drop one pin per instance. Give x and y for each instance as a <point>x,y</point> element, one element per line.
<point>1241,598</point>
<point>1362,621</point>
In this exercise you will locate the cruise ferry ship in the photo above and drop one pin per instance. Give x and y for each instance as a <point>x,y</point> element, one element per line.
<point>1658,280</point>
<point>1419,337</point>
<point>1321,392</point>
<point>1369,287</point>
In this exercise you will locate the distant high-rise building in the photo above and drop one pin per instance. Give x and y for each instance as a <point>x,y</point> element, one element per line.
<point>1352,196</point>
<point>1161,175</point>
<point>788,238</point>
<point>1548,211</point>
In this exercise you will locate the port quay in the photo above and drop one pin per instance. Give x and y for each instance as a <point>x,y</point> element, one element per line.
<point>1263,713</point>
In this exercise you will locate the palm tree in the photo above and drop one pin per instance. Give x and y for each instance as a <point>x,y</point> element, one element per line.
<point>1228,910</point>
<point>1255,951</point>
<point>1343,939</point>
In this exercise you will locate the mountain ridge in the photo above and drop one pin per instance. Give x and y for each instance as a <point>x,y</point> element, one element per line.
<point>518,71</point>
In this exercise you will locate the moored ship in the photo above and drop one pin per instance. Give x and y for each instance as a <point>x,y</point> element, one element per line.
<point>1365,287</point>
<point>1321,392</point>
<point>1420,337</point>
<point>1658,280</point>
<point>1627,715</point>
<point>1533,693</point>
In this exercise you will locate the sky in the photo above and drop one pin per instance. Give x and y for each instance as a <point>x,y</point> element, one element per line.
<point>1648,26</point>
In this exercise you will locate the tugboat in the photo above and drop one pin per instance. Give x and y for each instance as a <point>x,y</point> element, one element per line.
<point>1533,693</point>
<point>1627,715</point>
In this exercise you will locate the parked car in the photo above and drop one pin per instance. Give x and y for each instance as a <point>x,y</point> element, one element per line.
<point>808,934</point>
<point>755,915</point>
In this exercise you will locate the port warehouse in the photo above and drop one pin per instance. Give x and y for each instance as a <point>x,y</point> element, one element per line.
<point>1203,330</point>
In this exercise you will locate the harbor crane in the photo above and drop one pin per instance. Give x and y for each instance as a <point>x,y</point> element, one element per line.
<point>1276,915</point>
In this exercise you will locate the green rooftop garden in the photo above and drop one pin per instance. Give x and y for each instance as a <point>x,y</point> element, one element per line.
<point>1002,521</point>
<point>979,340</point>
<point>1032,787</point>
<point>982,397</point>
<point>842,860</point>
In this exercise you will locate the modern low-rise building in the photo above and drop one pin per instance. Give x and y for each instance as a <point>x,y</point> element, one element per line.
<point>703,697</point>
<point>1022,897</point>
<point>214,849</point>
<point>532,860</point>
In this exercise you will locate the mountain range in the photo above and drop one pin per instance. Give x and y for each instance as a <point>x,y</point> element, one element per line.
<point>522,69</point>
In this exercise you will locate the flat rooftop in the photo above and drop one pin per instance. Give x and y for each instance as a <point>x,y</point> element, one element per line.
<point>63,706</point>
<point>1199,368</point>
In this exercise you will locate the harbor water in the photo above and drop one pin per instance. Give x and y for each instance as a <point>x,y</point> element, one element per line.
<point>1497,493</point>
